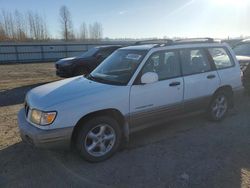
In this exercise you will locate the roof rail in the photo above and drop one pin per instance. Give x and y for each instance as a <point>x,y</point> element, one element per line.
<point>245,40</point>
<point>155,41</point>
<point>167,42</point>
<point>195,40</point>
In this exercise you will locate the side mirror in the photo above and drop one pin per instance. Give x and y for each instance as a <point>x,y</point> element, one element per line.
<point>149,78</point>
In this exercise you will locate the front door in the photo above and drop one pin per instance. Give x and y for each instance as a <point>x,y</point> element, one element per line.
<point>159,101</point>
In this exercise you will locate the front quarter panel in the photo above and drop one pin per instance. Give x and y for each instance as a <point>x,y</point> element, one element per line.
<point>70,112</point>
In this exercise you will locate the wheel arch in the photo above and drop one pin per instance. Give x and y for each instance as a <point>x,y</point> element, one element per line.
<point>114,113</point>
<point>228,90</point>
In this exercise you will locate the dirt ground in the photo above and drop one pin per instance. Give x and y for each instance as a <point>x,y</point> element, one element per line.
<point>190,152</point>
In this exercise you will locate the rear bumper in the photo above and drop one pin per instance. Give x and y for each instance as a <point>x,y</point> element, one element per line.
<point>238,93</point>
<point>56,138</point>
<point>246,83</point>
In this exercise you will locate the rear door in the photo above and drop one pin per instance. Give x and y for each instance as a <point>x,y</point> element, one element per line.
<point>228,70</point>
<point>201,79</point>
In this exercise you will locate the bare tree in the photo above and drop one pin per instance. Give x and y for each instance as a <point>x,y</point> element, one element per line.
<point>83,35</point>
<point>95,31</point>
<point>20,27</point>
<point>66,23</point>
<point>37,26</point>
<point>2,32</point>
<point>8,24</point>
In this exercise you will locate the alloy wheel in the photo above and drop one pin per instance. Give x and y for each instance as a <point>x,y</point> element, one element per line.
<point>220,106</point>
<point>100,140</point>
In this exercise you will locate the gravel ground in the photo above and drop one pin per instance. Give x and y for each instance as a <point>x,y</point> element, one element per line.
<point>189,152</point>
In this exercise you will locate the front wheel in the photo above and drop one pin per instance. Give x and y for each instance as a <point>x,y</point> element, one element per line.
<point>219,106</point>
<point>99,139</point>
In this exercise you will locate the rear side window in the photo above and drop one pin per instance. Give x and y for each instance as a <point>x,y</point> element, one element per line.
<point>194,61</point>
<point>221,58</point>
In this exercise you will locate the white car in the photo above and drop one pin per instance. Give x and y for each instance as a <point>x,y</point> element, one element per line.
<point>136,87</point>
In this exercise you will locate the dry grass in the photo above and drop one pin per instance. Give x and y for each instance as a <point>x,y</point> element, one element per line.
<point>19,75</point>
<point>15,81</point>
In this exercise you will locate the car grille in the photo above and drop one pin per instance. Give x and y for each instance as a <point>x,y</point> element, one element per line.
<point>27,108</point>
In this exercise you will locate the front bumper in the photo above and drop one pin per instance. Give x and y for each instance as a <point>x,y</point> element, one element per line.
<point>56,138</point>
<point>64,72</point>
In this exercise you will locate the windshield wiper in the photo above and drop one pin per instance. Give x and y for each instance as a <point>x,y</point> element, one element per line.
<point>97,79</point>
<point>102,80</point>
<point>90,77</point>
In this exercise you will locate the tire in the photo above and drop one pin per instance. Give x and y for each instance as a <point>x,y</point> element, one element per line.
<point>99,138</point>
<point>81,71</point>
<point>219,106</point>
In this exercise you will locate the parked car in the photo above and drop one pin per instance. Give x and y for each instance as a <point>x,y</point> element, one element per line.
<point>85,63</point>
<point>242,51</point>
<point>134,88</point>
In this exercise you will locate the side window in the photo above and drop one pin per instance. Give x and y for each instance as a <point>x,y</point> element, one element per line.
<point>221,58</point>
<point>194,61</point>
<point>165,64</point>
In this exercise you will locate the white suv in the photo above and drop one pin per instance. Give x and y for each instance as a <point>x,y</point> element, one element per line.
<point>136,87</point>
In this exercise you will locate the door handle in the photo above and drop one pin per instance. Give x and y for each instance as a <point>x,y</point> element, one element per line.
<point>173,84</point>
<point>211,76</point>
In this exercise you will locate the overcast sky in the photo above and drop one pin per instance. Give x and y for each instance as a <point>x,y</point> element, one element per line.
<point>147,18</point>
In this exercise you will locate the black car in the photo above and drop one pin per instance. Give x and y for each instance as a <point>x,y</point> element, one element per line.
<point>242,52</point>
<point>85,63</point>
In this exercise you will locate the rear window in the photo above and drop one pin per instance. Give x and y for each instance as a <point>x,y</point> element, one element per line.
<point>221,58</point>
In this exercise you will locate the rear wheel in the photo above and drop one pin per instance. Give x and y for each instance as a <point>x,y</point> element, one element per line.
<point>219,106</point>
<point>99,139</point>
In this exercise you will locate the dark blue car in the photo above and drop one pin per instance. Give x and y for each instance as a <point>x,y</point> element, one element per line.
<point>85,63</point>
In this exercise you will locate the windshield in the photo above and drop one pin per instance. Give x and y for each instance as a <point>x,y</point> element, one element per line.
<point>242,50</point>
<point>89,53</point>
<point>118,68</point>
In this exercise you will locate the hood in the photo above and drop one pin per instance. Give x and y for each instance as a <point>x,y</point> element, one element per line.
<point>87,58</point>
<point>54,93</point>
<point>68,58</point>
<point>64,60</point>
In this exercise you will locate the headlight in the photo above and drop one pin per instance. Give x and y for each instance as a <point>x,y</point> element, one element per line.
<point>42,118</point>
<point>36,116</point>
